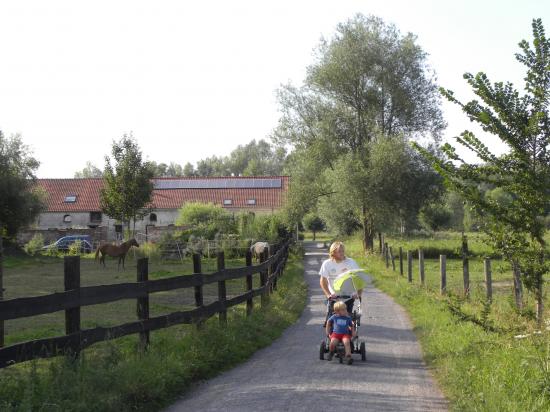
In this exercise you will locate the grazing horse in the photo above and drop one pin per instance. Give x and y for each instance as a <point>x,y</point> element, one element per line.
<point>258,248</point>
<point>115,251</point>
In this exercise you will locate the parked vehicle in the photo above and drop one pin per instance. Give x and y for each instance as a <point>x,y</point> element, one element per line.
<point>63,244</point>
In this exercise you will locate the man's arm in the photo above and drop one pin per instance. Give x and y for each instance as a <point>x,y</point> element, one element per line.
<point>324,285</point>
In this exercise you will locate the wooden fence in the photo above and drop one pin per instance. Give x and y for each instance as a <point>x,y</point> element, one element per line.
<point>74,297</point>
<point>388,256</point>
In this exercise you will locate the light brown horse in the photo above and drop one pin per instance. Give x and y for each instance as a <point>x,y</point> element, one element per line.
<point>258,248</point>
<point>119,251</point>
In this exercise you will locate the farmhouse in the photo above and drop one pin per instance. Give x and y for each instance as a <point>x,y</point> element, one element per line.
<point>74,204</point>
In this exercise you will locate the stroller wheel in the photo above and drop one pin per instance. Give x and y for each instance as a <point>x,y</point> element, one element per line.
<point>363,351</point>
<point>322,350</point>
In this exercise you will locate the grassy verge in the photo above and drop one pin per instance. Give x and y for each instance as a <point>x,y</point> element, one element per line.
<point>477,369</point>
<point>114,376</point>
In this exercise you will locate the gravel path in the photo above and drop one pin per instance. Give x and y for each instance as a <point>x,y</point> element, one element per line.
<point>288,375</point>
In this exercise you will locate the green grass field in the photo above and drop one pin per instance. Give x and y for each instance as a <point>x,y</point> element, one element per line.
<point>114,375</point>
<point>41,275</point>
<point>497,363</point>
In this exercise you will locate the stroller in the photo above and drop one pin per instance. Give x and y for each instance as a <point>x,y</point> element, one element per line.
<point>357,345</point>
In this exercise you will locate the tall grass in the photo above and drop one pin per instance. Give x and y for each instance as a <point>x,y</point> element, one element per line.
<point>115,376</point>
<point>478,368</point>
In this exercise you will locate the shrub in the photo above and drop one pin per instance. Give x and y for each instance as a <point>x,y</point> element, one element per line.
<point>206,219</point>
<point>149,250</point>
<point>33,246</point>
<point>75,248</point>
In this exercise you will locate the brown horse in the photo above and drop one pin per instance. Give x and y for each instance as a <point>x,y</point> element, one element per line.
<point>119,251</point>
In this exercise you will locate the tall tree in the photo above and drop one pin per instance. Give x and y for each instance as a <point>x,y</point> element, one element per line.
<point>90,170</point>
<point>256,159</point>
<point>188,170</point>
<point>20,202</point>
<point>128,187</point>
<point>514,216</point>
<point>367,82</point>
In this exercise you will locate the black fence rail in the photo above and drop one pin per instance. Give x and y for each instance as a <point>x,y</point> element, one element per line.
<point>270,268</point>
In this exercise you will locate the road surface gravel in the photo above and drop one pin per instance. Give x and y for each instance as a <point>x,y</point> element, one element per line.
<point>289,376</point>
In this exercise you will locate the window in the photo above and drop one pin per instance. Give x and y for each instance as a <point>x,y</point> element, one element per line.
<point>251,202</point>
<point>153,217</point>
<point>95,217</point>
<point>67,219</point>
<point>70,198</point>
<point>227,201</point>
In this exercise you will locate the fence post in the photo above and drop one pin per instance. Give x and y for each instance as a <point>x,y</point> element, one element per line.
<point>386,255</point>
<point>1,287</point>
<point>400,261</point>
<point>263,280</point>
<point>274,265</point>
<point>197,273</point>
<point>443,273</point>
<point>409,265</point>
<point>421,266</point>
<point>488,280</point>
<point>392,257</point>
<point>72,281</point>
<point>250,301</point>
<point>518,290</point>
<point>380,242</point>
<point>222,292</point>
<point>143,303</point>
<point>465,266</point>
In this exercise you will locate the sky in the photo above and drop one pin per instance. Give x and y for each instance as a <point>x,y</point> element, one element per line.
<point>193,79</point>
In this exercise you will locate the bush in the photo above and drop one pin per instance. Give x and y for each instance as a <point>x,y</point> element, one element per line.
<point>435,217</point>
<point>206,219</point>
<point>149,250</point>
<point>75,248</point>
<point>33,246</point>
<point>270,228</point>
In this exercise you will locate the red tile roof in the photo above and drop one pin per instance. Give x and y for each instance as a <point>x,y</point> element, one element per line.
<point>87,192</point>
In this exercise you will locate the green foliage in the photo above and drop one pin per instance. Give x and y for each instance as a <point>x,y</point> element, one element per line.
<point>20,201</point>
<point>513,213</point>
<point>435,216</point>
<point>33,246</point>
<point>253,159</point>
<point>89,171</point>
<point>206,219</point>
<point>164,170</point>
<point>456,205</point>
<point>74,248</point>
<point>149,250</point>
<point>128,187</point>
<point>367,87</point>
<point>313,223</point>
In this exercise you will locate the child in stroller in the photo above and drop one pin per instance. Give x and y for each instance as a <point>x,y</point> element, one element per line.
<point>342,331</point>
<point>340,328</point>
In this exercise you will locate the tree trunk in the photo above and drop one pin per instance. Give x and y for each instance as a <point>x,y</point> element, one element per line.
<point>314,235</point>
<point>368,241</point>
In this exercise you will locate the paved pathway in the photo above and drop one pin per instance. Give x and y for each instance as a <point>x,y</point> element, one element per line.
<point>288,375</point>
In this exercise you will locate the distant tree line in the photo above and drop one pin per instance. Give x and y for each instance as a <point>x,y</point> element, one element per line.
<point>257,158</point>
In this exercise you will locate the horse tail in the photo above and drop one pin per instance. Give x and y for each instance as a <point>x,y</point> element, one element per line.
<point>97,253</point>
